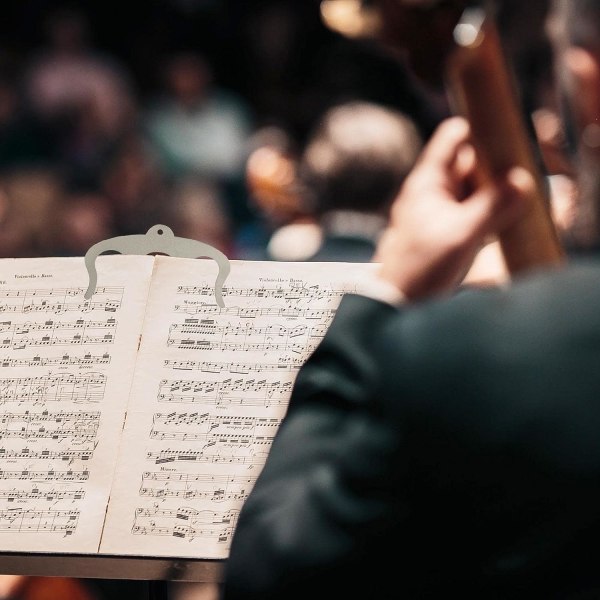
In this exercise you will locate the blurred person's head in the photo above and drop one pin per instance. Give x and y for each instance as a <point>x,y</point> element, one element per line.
<point>574,29</point>
<point>85,94</point>
<point>358,157</point>
<point>188,77</point>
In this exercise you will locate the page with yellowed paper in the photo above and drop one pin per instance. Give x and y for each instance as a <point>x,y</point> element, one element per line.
<point>210,389</point>
<point>66,367</point>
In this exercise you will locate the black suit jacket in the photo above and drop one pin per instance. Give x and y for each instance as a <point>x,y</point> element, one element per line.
<point>446,450</point>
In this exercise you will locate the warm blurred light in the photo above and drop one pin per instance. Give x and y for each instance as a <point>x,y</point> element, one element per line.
<point>266,164</point>
<point>271,177</point>
<point>350,17</point>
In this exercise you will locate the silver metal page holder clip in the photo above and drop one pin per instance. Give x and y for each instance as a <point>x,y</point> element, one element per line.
<point>158,239</point>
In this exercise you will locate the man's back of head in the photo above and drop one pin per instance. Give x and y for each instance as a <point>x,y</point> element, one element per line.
<point>357,158</point>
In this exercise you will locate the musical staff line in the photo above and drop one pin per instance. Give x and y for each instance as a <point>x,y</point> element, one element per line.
<point>65,359</point>
<point>64,455</point>
<point>115,291</point>
<point>217,488</point>
<point>210,327</point>
<point>325,315</point>
<point>50,475</point>
<point>185,523</point>
<point>53,326</point>
<point>20,336</point>
<point>63,387</point>
<point>60,300</point>
<point>35,521</point>
<point>200,456</point>
<point>40,494</point>
<point>210,422</point>
<point>77,426</point>
<point>206,345</point>
<point>293,292</point>
<point>205,427</point>
<point>224,392</point>
<point>240,368</point>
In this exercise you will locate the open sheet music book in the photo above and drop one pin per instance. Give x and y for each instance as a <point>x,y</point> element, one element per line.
<point>135,423</point>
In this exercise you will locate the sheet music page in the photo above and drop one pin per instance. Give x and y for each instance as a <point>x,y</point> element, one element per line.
<point>65,375</point>
<point>210,389</point>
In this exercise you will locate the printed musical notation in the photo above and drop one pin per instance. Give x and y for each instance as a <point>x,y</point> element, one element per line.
<point>238,431</point>
<point>287,363</point>
<point>35,521</point>
<point>22,335</point>
<point>247,392</point>
<point>245,330</point>
<point>41,494</point>
<point>200,439</point>
<point>185,523</point>
<point>294,292</point>
<point>50,475</point>
<point>298,339</point>
<point>59,300</point>
<point>323,315</point>
<point>206,345</point>
<point>54,361</point>
<point>77,427</point>
<point>216,488</point>
<point>63,387</point>
<point>56,350</point>
<point>222,454</point>
<point>67,455</point>
<point>65,368</point>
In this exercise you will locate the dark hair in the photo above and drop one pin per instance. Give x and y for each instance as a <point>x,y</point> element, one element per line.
<point>358,157</point>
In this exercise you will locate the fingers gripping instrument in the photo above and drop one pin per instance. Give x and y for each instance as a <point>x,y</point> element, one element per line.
<point>481,88</point>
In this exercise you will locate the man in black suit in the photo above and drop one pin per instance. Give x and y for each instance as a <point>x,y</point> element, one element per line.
<point>442,444</point>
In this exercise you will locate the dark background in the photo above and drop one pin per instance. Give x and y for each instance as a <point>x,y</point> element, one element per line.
<point>275,56</point>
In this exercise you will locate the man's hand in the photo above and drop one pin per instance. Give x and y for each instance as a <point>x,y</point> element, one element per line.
<point>440,219</point>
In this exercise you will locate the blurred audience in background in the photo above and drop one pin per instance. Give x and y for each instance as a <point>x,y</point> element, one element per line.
<point>82,95</point>
<point>119,143</point>
<point>197,127</point>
